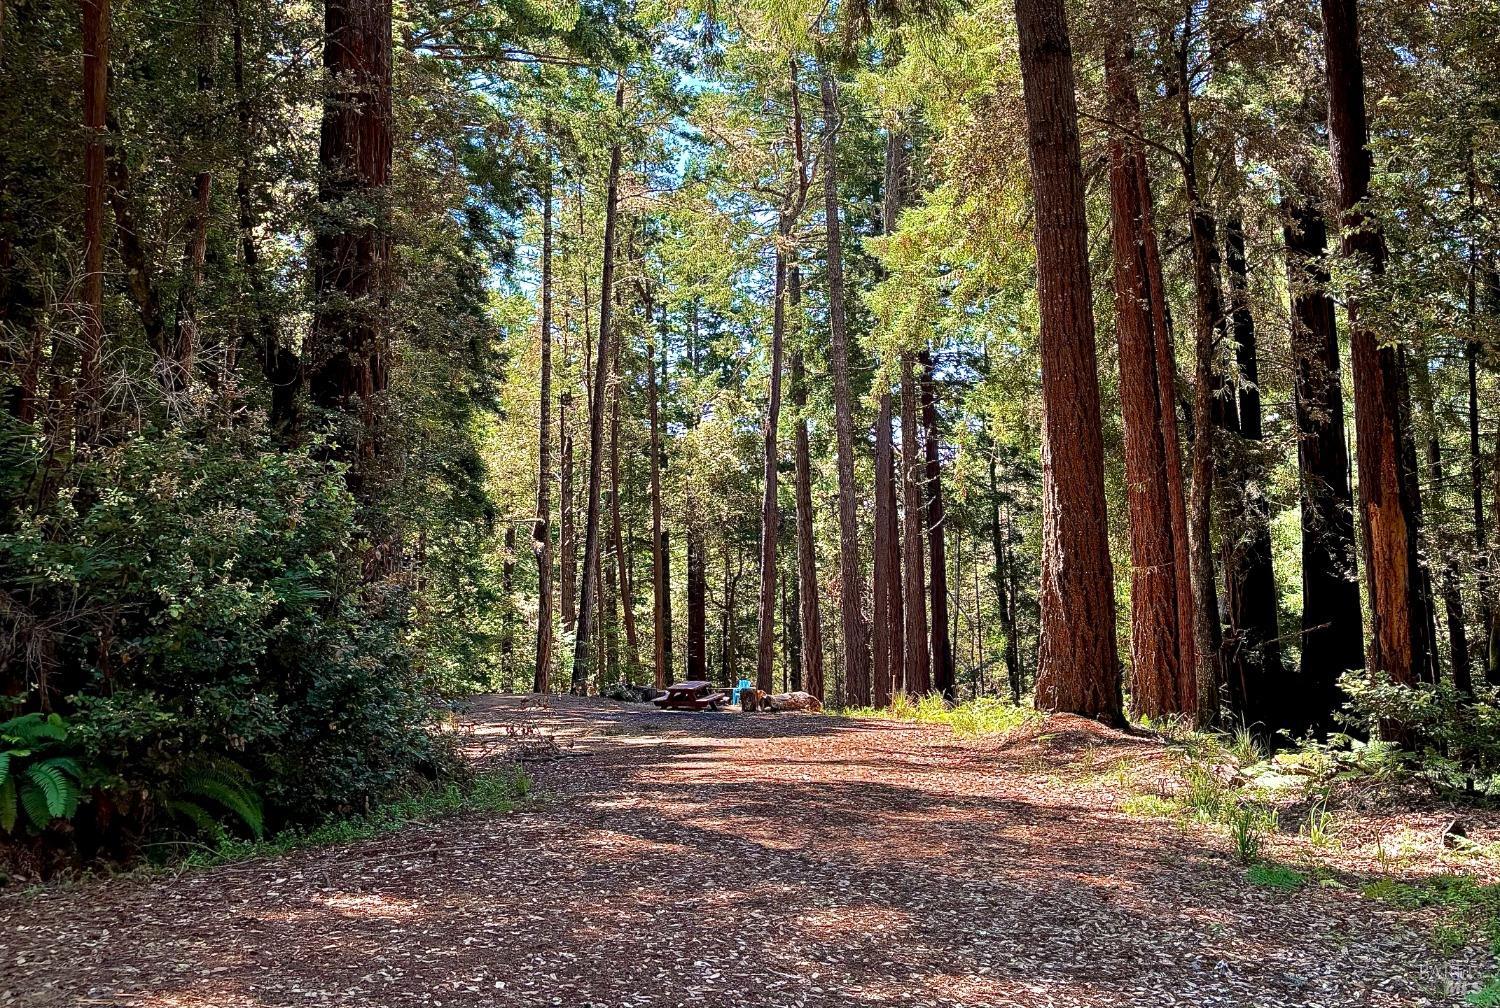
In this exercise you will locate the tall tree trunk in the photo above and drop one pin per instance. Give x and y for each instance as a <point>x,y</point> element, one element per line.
<point>1484,576</point>
<point>626,594</point>
<point>1156,631</point>
<point>185,334</point>
<point>345,363</point>
<point>1253,666</point>
<point>888,632</point>
<point>661,578</point>
<point>86,404</point>
<point>583,656</point>
<point>567,539</point>
<point>1004,608</point>
<point>1389,508</point>
<point>810,618</point>
<point>697,602</point>
<point>770,510</point>
<point>1079,666</point>
<point>541,537</point>
<point>1332,624</point>
<point>944,674</point>
<point>917,671</point>
<point>1208,324</point>
<point>851,578</point>
<point>1442,543</point>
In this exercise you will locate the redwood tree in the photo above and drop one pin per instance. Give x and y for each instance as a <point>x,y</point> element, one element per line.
<point>1078,667</point>
<point>1332,625</point>
<point>1389,506</point>
<point>346,359</point>
<point>1160,638</point>
<point>541,537</point>
<point>851,579</point>
<point>583,649</point>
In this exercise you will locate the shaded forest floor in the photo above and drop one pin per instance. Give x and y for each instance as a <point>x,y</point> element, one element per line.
<point>780,860</point>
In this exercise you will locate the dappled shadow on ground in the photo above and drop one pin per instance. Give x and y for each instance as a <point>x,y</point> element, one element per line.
<point>715,860</point>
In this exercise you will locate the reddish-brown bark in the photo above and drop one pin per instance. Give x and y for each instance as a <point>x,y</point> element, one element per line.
<point>1389,507</point>
<point>1078,664</point>
<point>345,359</point>
<point>851,578</point>
<point>1156,630</point>
<point>583,645</point>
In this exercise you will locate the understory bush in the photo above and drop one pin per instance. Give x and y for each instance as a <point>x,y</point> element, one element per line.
<point>1456,737</point>
<point>203,611</point>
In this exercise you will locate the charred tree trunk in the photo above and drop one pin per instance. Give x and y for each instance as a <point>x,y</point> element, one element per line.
<point>697,603</point>
<point>810,618</point>
<point>1079,666</point>
<point>1332,624</point>
<point>917,667</point>
<point>944,674</point>
<point>1389,507</point>
<point>1156,630</point>
<point>851,579</point>
<point>1253,666</point>
<point>541,536</point>
<point>583,654</point>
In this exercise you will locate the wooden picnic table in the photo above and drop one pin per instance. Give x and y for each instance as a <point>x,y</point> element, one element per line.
<point>693,694</point>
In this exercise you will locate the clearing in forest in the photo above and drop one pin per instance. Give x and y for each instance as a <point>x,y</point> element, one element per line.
<point>680,859</point>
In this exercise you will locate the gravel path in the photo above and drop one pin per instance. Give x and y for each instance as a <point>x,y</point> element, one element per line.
<point>720,860</point>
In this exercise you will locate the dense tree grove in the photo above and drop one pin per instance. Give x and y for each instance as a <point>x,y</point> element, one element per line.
<point>1136,359</point>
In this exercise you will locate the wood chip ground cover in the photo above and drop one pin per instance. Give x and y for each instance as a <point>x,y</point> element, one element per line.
<point>716,860</point>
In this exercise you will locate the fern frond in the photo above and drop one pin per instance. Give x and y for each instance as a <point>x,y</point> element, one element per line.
<point>60,793</point>
<point>66,764</point>
<point>35,804</point>
<point>29,729</point>
<point>226,783</point>
<point>198,816</point>
<point>4,766</point>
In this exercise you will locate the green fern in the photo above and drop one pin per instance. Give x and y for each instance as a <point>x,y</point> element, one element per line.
<point>46,787</point>
<point>222,783</point>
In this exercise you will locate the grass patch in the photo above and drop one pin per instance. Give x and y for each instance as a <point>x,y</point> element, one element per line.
<point>984,716</point>
<point>1487,996</point>
<point>1148,806</point>
<point>1275,876</point>
<point>497,790</point>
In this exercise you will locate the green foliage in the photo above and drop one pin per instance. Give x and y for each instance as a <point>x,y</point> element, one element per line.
<point>34,776</point>
<point>1274,876</point>
<point>223,649</point>
<point>981,716</point>
<point>1248,824</point>
<point>1458,737</point>
<point>1487,996</point>
<point>491,791</point>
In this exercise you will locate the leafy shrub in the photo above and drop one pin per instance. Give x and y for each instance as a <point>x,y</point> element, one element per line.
<point>225,653</point>
<point>1457,737</point>
<point>34,776</point>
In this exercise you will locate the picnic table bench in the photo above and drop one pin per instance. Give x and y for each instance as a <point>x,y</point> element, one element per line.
<point>694,694</point>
